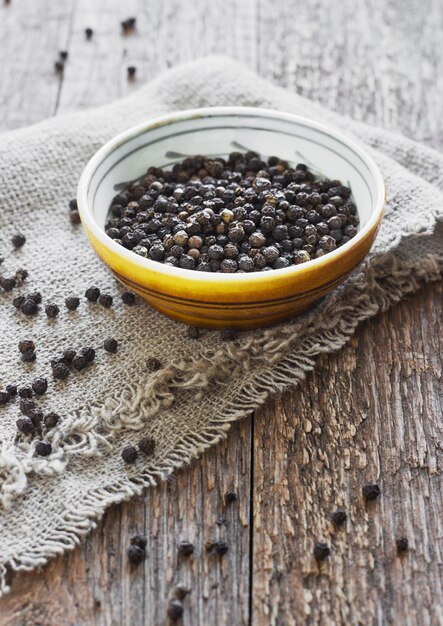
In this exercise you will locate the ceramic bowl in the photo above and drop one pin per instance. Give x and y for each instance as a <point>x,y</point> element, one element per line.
<point>217,300</point>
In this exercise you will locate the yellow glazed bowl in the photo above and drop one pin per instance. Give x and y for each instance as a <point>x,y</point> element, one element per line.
<point>217,300</point>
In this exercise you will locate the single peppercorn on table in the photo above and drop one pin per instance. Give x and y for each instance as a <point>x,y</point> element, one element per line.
<point>255,508</point>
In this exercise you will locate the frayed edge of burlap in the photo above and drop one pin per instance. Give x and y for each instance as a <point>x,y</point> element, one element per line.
<point>379,287</point>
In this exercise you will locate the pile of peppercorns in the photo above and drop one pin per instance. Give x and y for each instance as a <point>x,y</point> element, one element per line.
<point>236,215</point>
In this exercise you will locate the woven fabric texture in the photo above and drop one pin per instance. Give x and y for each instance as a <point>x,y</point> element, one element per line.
<point>48,504</point>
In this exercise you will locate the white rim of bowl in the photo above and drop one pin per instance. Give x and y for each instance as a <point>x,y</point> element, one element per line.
<point>88,220</point>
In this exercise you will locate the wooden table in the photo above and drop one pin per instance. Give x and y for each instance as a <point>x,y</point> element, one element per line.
<point>372,412</point>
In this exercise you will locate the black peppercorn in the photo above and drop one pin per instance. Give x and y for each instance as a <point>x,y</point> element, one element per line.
<point>68,355</point>
<point>51,419</point>
<point>185,548</point>
<point>110,345</point>
<point>26,406</point>
<point>29,307</point>
<point>402,544</point>
<point>88,353</point>
<point>4,397</point>
<point>25,392</point>
<point>21,275</point>
<point>147,445</point>
<point>40,386</point>
<point>18,240</point>
<point>371,491</point>
<point>136,554</point>
<point>25,345</point>
<point>153,364</point>
<point>28,356</point>
<point>9,283</point>
<point>89,32</point>
<point>18,301</point>
<point>43,448</point>
<point>321,551</point>
<point>24,424</point>
<point>36,416</point>
<point>52,310</point>
<point>74,218</point>
<point>92,294</point>
<point>63,54</point>
<point>129,454</point>
<point>105,300</point>
<point>175,610</point>
<point>220,547</point>
<point>11,390</point>
<point>59,66</point>
<point>230,497</point>
<point>339,517</point>
<point>60,371</point>
<point>131,71</point>
<point>128,297</point>
<point>72,303</point>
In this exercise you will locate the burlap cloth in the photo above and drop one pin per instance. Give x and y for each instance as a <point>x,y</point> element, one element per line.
<point>48,504</point>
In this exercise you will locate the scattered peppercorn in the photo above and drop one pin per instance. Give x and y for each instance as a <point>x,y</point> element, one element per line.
<point>110,345</point>
<point>147,445</point>
<point>24,424</point>
<point>21,275</point>
<point>128,297</point>
<point>11,390</point>
<point>51,420</point>
<point>74,217</point>
<point>25,345</point>
<point>36,416</point>
<point>402,544</point>
<point>229,334</point>
<point>68,355</point>
<point>25,392</point>
<point>89,32</point>
<point>79,362</point>
<point>28,356</point>
<point>63,54</point>
<point>60,371</point>
<point>8,283</point>
<point>4,397</point>
<point>105,300</point>
<point>321,551</point>
<point>27,405</point>
<point>175,610</point>
<point>18,301</point>
<point>40,386</point>
<point>240,214</point>
<point>52,310</point>
<point>128,24</point>
<point>231,497</point>
<point>181,591</point>
<point>193,332</point>
<point>339,517</point>
<point>29,306</point>
<point>88,353</point>
<point>129,454</point>
<point>153,364</point>
<point>139,540</point>
<point>92,294</point>
<point>136,554</point>
<point>371,491</point>
<point>131,71</point>
<point>43,448</point>
<point>185,548</point>
<point>59,66</point>
<point>72,303</point>
<point>73,206</point>
<point>35,296</point>
<point>18,240</point>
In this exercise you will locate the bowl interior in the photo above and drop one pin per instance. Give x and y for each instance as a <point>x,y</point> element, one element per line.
<point>217,133</point>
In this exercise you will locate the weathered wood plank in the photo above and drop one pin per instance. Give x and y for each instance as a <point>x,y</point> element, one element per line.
<point>95,585</point>
<point>371,413</point>
<point>31,37</point>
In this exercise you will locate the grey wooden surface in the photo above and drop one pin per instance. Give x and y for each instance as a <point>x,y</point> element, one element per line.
<point>373,412</point>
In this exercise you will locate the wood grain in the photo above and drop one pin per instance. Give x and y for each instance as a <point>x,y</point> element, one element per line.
<point>373,412</point>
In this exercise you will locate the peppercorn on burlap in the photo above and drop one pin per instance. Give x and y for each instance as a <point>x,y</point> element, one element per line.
<point>48,504</point>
